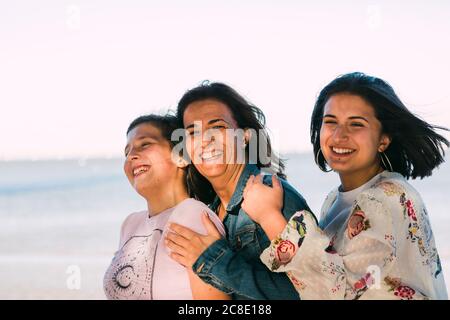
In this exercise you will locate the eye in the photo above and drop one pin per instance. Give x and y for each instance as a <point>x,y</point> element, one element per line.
<point>147,143</point>
<point>219,127</point>
<point>329,122</point>
<point>194,133</point>
<point>357,124</point>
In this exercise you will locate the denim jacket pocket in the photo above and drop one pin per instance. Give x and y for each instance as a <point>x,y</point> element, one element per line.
<point>246,239</point>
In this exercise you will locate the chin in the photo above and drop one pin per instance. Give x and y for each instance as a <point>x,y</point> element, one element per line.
<point>212,170</point>
<point>340,168</point>
<point>141,188</point>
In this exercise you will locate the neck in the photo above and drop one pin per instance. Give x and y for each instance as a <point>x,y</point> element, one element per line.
<point>166,196</point>
<point>225,186</point>
<point>356,179</point>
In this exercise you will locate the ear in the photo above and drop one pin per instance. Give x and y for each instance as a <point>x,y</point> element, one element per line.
<point>180,162</point>
<point>385,141</point>
<point>247,136</point>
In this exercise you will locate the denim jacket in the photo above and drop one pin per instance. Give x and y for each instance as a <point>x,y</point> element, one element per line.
<point>233,264</point>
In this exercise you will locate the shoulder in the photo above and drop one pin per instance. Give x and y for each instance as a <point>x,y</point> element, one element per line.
<point>132,221</point>
<point>391,200</point>
<point>191,204</point>
<point>293,200</point>
<point>135,216</point>
<point>387,210</point>
<point>189,213</point>
<point>328,202</point>
<point>329,199</point>
<point>331,196</point>
<point>391,189</point>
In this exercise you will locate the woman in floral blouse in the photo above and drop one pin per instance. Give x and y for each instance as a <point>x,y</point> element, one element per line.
<point>374,239</point>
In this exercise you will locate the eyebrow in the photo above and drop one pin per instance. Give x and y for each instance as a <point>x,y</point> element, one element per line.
<point>212,121</point>
<point>358,118</point>
<point>351,118</point>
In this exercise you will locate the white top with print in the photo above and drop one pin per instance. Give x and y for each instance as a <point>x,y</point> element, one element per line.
<point>384,249</point>
<point>142,267</point>
<point>341,207</point>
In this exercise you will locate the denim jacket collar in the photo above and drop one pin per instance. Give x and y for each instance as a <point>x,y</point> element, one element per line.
<point>237,197</point>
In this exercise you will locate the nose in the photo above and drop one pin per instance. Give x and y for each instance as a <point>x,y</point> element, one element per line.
<point>340,134</point>
<point>132,155</point>
<point>208,137</point>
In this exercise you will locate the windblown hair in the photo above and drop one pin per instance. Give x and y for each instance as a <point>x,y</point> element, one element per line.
<point>415,150</point>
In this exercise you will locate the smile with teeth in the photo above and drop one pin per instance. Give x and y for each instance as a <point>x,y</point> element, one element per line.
<point>210,155</point>
<point>140,170</point>
<point>342,150</point>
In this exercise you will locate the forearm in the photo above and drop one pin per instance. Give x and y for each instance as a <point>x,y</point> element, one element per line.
<point>229,271</point>
<point>273,224</point>
<point>203,291</point>
<point>318,271</point>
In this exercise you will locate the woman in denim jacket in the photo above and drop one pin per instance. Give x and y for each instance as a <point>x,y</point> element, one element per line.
<point>227,143</point>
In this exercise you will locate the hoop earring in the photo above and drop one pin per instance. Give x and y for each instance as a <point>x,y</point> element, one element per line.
<point>383,156</point>
<point>317,161</point>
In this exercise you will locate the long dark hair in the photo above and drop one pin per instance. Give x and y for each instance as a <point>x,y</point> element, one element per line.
<point>247,116</point>
<point>415,150</point>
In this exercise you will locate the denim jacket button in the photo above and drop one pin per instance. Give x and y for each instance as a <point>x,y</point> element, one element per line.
<point>200,267</point>
<point>238,242</point>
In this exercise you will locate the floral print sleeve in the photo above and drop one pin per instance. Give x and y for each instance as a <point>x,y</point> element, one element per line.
<point>381,252</point>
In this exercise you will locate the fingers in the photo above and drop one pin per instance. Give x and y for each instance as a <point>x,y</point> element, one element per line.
<point>178,240</point>
<point>210,227</point>
<point>252,181</point>
<point>174,247</point>
<point>276,184</point>
<point>183,231</point>
<point>181,249</point>
<point>180,259</point>
<point>259,179</point>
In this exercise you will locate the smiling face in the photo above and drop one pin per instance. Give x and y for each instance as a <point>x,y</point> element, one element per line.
<point>351,136</point>
<point>209,144</point>
<point>148,164</point>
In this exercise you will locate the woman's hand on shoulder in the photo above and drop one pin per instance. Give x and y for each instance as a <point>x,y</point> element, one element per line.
<point>187,245</point>
<point>263,203</point>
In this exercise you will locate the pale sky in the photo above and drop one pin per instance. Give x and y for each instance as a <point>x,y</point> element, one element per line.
<point>74,74</point>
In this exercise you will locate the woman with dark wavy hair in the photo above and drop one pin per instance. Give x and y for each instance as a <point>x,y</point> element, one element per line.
<point>374,239</point>
<point>227,142</point>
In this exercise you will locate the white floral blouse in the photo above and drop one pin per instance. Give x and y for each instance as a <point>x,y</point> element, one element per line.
<point>384,250</point>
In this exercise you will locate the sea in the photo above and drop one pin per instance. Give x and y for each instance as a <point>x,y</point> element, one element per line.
<point>60,220</point>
